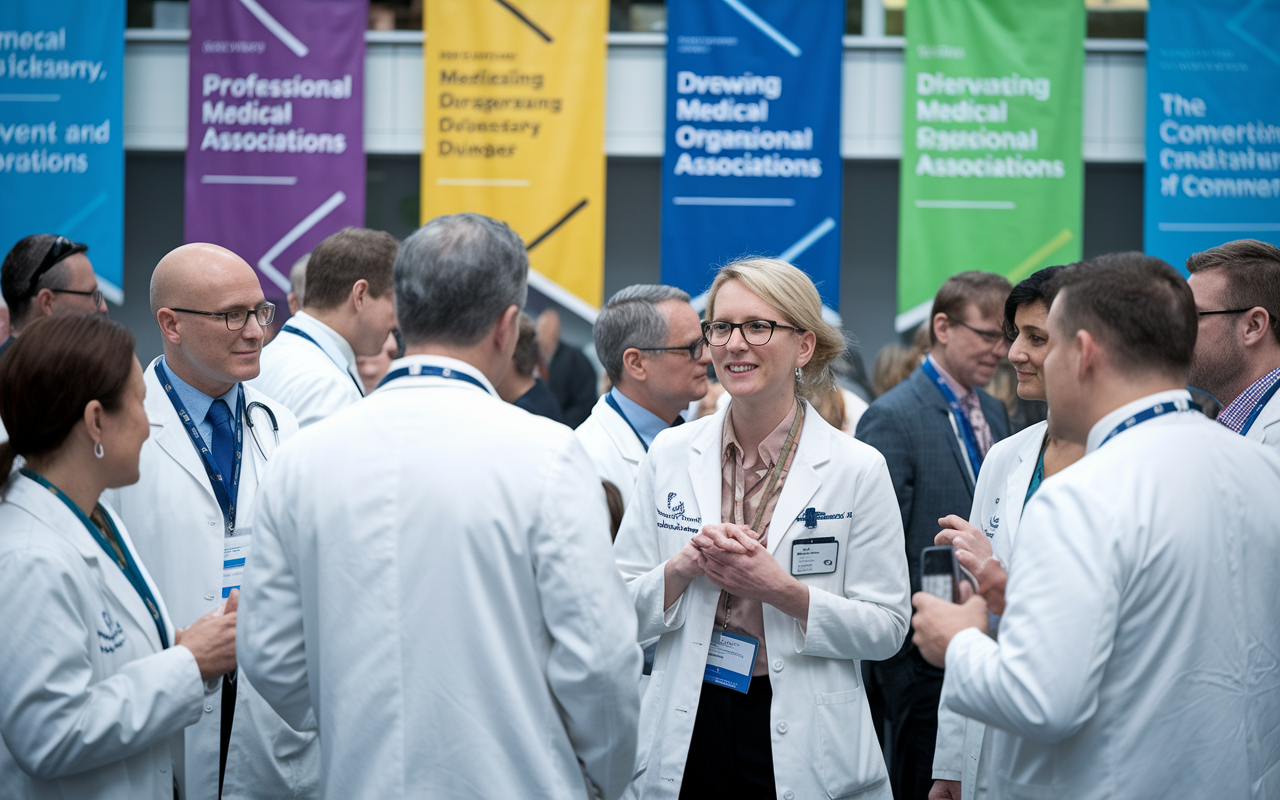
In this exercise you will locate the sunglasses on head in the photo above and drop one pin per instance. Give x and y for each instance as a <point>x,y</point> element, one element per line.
<point>61,248</point>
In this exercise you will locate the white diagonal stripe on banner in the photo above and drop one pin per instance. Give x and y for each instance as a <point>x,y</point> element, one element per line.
<point>806,241</point>
<point>265,265</point>
<point>280,32</point>
<point>765,28</point>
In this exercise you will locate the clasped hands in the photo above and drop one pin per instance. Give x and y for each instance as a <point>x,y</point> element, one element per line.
<point>733,559</point>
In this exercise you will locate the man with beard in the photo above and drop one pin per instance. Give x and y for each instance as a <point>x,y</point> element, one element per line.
<point>1237,356</point>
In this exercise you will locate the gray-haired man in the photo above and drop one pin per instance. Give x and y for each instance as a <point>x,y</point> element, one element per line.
<point>650,341</point>
<point>431,572</point>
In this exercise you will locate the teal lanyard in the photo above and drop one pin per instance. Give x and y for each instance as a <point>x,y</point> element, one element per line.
<point>122,559</point>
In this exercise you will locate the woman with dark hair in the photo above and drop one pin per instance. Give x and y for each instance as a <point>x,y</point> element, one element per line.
<point>1011,473</point>
<point>93,677</point>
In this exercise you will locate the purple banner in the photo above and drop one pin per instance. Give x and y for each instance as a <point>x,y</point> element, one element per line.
<point>275,128</point>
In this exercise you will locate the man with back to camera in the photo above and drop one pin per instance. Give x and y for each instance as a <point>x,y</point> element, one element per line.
<point>650,341</point>
<point>1237,358</point>
<point>1137,649</point>
<point>44,275</point>
<point>190,514</point>
<point>934,429</point>
<point>347,311</point>
<point>455,574</point>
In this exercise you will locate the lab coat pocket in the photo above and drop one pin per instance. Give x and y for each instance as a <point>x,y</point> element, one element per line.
<point>851,759</point>
<point>650,709</point>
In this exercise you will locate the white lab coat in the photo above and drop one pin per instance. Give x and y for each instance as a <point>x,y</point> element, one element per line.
<point>1266,428</point>
<point>1136,656</point>
<point>823,741</point>
<point>313,382</point>
<point>174,517</point>
<point>88,699</point>
<point>613,446</point>
<point>446,601</point>
<point>997,510</point>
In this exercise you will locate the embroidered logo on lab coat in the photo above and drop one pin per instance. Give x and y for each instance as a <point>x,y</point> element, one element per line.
<point>112,638</point>
<point>674,515</point>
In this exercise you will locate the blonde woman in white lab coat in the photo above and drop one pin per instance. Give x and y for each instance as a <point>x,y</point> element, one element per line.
<point>756,689</point>
<point>94,679</point>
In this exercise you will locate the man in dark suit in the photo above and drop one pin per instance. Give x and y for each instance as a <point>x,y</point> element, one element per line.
<point>934,430</point>
<point>570,376</point>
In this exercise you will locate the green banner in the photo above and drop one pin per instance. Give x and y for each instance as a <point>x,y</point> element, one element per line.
<point>992,174</point>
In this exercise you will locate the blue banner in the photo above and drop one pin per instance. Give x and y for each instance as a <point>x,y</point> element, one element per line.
<point>61,128</point>
<point>1213,125</point>
<point>752,154</point>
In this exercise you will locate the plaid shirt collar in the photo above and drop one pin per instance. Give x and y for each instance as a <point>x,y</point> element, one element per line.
<point>1235,414</point>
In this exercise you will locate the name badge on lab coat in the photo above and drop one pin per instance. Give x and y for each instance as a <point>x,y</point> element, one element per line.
<point>235,550</point>
<point>814,556</point>
<point>730,660</point>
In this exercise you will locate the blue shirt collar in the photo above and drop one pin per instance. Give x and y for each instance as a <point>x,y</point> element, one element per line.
<point>646,423</point>
<point>197,402</point>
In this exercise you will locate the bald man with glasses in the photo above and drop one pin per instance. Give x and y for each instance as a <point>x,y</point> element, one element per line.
<point>211,438</point>
<point>43,275</point>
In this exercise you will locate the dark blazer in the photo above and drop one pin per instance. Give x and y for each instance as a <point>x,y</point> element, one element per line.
<point>572,380</point>
<point>539,400</point>
<point>911,427</point>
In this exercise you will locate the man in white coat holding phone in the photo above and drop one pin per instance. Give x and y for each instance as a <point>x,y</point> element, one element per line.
<point>445,602</point>
<point>1136,653</point>
<point>190,514</point>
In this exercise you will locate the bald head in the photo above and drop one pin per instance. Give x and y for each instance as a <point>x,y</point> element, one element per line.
<point>194,272</point>
<point>200,347</point>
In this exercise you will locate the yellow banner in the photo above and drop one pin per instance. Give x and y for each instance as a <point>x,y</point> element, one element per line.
<point>514,126</point>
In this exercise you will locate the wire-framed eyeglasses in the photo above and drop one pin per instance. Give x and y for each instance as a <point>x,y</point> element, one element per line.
<point>240,317</point>
<point>754,331</point>
<point>694,349</point>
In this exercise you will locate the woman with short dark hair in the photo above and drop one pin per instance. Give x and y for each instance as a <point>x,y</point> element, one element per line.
<point>93,677</point>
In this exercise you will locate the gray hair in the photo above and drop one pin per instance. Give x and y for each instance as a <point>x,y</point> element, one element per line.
<point>631,319</point>
<point>455,276</point>
<point>298,278</point>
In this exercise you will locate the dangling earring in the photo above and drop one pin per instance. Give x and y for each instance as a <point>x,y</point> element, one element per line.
<point>97,450</point>
<point>799,374</point>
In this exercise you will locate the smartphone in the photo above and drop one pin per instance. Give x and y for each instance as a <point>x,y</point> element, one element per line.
<point>940,573</point>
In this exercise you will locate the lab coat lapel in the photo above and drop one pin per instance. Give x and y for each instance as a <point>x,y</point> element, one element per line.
<point>46,507</point>
<point>803,480</point>
<point>169,432</point>
<point>705,469</point>
<point>1016,486</point>
<point>623,436</point>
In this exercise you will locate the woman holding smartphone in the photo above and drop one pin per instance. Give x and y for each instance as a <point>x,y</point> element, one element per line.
<point>765,549</point>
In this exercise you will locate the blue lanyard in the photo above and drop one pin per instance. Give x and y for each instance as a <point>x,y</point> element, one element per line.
<point>345,371</point>
<point>225,491</point>
<point>122,558</point>
<point>420,371</point>
<point>1149,414</point>
<point>1258,406</point>
<point>961,416</point>
<point>608,398</point>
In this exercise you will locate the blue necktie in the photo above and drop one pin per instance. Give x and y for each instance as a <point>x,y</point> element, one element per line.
<point>224,443</point>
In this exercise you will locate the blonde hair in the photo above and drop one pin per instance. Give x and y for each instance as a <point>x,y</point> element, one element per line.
<point>789,290</point>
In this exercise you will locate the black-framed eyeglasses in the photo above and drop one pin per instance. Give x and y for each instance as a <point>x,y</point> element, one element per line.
<point>1227,311</point>
<point>61,248</point>
<point>240,317</point>
<point>96,294</point>
<point>989,337</point>
<point>754,331</point>
<point>694,349</point>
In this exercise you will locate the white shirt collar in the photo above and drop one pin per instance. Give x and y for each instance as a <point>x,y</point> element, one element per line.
<point>305,322</point>
<point>442,362</point>
<point>1103,427</point>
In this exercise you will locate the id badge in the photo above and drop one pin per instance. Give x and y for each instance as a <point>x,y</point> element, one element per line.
<point>814,556</point>
<point>235,550</point>
<point>730,660</point>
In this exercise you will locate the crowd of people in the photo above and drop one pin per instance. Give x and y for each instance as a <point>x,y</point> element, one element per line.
<point>393,547</point>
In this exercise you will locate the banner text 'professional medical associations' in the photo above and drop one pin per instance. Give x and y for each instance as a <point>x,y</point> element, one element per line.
<point>61,126</point>
<point>992,173</point>
<point>752,151</point>
<point>514,129</point>
<point>1213,126</point>
<point>275,128</point>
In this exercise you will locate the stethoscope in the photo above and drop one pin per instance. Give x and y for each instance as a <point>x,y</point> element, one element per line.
<point>275,426</point>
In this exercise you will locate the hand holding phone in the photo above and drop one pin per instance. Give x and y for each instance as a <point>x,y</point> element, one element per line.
<point>941,574</point>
